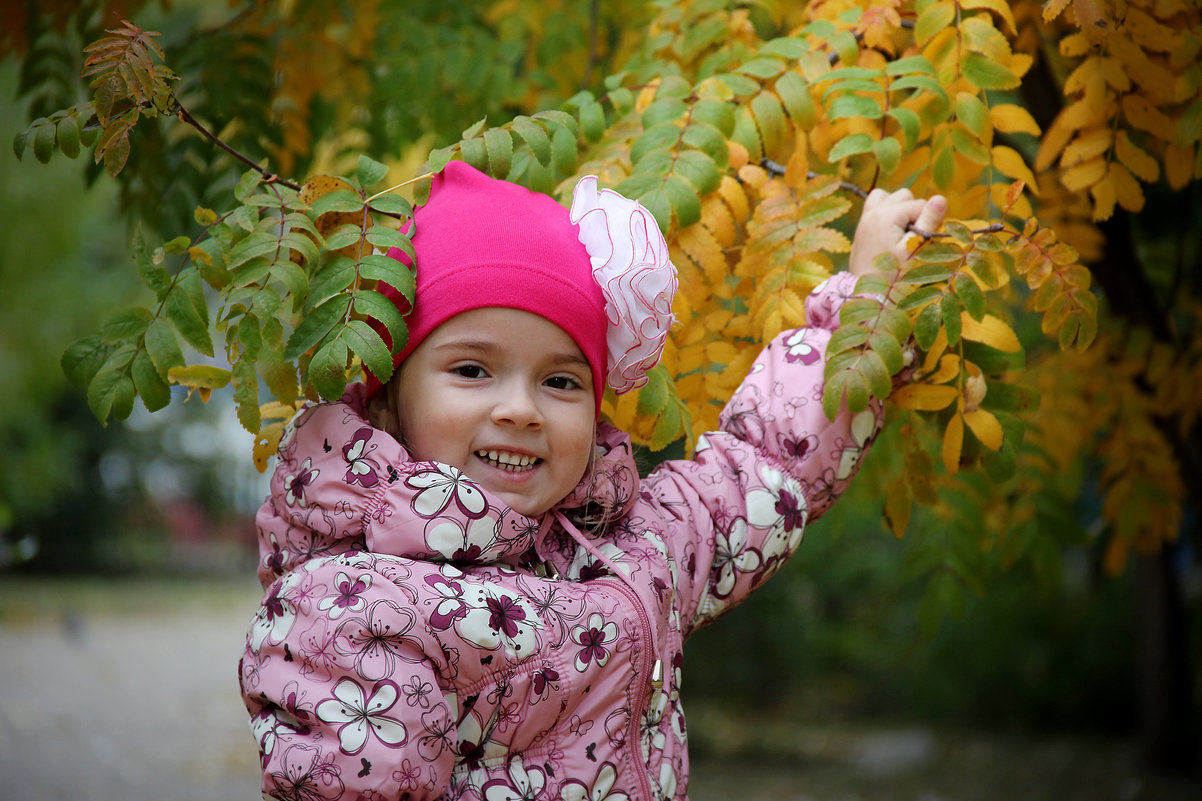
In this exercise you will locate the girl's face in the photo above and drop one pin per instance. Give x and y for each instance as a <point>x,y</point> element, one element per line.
<point>504,395</point>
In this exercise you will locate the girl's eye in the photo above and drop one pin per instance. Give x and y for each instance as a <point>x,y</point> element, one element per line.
<point>468,371</point>
<point>563,382</point>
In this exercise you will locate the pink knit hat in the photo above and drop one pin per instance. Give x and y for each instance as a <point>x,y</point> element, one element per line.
<point>481,242</point>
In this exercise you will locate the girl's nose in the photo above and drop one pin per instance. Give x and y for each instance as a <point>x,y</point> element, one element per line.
<point>517,405</point>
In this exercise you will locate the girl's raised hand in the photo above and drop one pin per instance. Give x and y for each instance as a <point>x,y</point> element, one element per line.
<point>882,226</point>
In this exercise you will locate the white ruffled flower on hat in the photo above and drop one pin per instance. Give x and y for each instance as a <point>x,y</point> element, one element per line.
<point>630,262</point>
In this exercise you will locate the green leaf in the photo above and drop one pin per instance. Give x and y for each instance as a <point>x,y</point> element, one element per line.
<point>314,328</point>
<point>43,141</point>
<point>382,236</point>
<point>375,306</point>
<point>475,153</point>
<point>943,169</point>
<point>250,336</point>
<point>246,394</point>
<point>878,377</point>
<point>910,125</point>
<point>885,346</point>
<point>126,323</point>
<point>951,318</point>
<point>389,203</point>
<point>247,184</point>
<point>739,85</point>
<point>370,348</point>
<point>183,315</point>
<point>102,390</point>
<point>250,247</point>
<point>903,66</point>
<point>699,170</point>
<point>592,121</point>
<point>707,139</point>
<point>716,113</point>
<point>148,383</point>
<point>389,270</point>
<point>888,153</point>
<point>535,137</point>
<point>937,252</point>
<point>327,368</point>
<point>770,119</point>
<point>846,337</point>
<point>972,113</point>
<point>927,325</point>
<point>498,144</point>
<point>662,111</point>
<point>278,373</point>
<point>343,200</point>
<point>764,68</point>
<point>795,94</point>
<point>850,145</point>
<point>986,74</point>
<point>970,295</point>
<point>653,139</point>
<point>369,172</point>
<point>83,358</point>
<point>162,346</point>
<point>68,136</point>
<point>853,106</point>
<point>931,21</point>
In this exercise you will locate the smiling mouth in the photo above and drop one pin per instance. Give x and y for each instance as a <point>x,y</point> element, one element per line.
<point>509,462</point>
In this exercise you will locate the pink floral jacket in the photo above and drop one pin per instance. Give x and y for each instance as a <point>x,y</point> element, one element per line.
<point>420,640</point>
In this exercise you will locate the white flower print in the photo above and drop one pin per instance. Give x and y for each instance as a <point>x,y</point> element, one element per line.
<point>361,714</point>
<point>601,790</point>
<point>496,617</point>
<point>442,485</point>
<point>523,784</point>
<point>732,556</point>
<point>594,640</point>
<point>652,734</point>
<point>471,540</point>
<point>348,595</point>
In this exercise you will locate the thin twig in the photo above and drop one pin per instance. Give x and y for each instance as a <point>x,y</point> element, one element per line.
<point>270,177</point>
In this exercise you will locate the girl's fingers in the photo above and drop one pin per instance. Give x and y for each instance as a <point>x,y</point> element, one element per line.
<point>931,214</point>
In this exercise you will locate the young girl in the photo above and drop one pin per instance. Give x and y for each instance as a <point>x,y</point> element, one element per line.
<point>471,593</point>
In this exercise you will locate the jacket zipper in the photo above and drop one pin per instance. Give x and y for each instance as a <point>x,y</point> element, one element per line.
<point>643,675</point>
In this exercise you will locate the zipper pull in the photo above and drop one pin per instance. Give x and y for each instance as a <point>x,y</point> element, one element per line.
<point>657,674</point>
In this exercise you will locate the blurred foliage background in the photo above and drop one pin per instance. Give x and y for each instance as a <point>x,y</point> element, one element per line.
<point>836,634</point>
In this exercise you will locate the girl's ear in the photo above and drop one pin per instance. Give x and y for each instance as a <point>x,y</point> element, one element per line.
<point>381,410</point>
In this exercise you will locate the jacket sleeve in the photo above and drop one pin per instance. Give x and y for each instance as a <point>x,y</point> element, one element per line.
<point>734,513</point>
<point>344,700</point>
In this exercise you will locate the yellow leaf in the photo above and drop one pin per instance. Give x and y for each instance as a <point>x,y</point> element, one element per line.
<point>1136,159</point>
<point>1010,118</point>
<point>949,367</point>
<point>1178,165</point>
<point>1103,200</point>
<point>1074,45</point>
<point>1009,162</point>
<point>953,443</point>
<point>732,192</point>
<point>986,428</point>
<point>200,376</point>
<point>1156,80</point>
<point>1143,115</point>
<point>1127,191</point>
<point>990,331</point>
<point>1083,175</point>
<point>266,444</point>
<point>1116,76</point>
<point>999,7</point>
<point>924,397</point>
<point>1090,19</point>
<point>1090,144</point>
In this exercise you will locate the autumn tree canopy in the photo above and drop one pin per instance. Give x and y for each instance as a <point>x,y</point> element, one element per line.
<point>273,151</point>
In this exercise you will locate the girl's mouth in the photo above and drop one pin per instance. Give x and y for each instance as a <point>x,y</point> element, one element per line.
<point>509,462</point>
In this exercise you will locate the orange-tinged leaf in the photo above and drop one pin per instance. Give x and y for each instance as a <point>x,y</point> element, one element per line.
<point>1136,159</point>
<point>986,428</point>
<point>990,331</point>
<point>1010,118</point>
<point>924,397</point>
<point>953,443</point>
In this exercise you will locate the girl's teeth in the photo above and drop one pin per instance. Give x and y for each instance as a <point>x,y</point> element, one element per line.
<point>508,461</point>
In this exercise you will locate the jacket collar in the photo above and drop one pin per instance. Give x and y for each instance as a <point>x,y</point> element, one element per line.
<point>337,467</point>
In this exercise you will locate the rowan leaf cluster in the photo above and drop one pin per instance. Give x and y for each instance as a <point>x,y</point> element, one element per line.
<point>752,130</point>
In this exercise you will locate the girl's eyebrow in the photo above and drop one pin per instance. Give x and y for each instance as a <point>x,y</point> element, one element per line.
<point>488,346</point>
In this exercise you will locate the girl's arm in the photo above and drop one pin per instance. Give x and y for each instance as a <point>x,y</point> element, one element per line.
<point>738,510</point>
